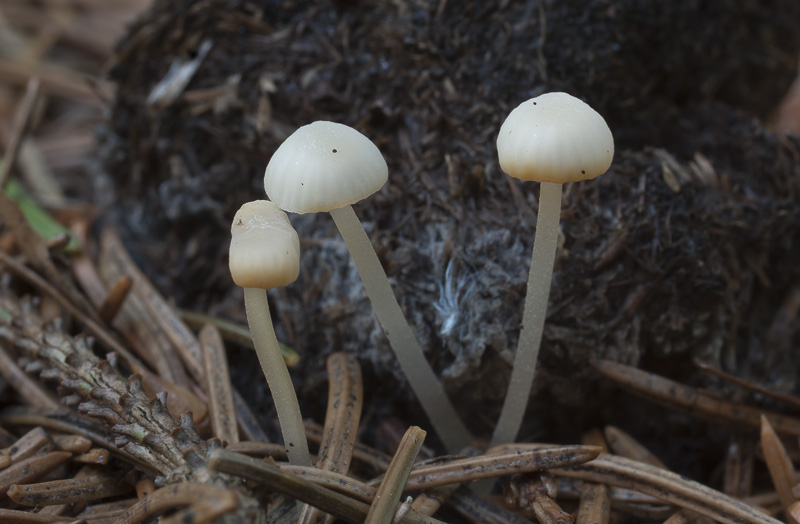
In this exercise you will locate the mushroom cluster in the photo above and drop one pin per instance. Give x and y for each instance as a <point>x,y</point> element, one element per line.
<point>324,166</point>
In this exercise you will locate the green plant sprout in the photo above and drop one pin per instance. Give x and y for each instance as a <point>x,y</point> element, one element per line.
<point>39,219</point>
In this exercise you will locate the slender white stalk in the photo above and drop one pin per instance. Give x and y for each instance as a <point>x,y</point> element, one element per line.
<point>440,411</point>
<point>278,379</point>
<point>537,294</point>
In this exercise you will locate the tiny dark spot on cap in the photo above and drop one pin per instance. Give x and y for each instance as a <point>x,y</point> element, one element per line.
<point>335,151</point>
<point>302,184</point>
<point>239,223</point>
<point>291,444</point>
<point>534,103</point>
<point>583,171</point>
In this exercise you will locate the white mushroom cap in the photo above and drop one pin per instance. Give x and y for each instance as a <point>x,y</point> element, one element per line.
<point>324,166</point>
<point>555,137</point>
<point>265,250</point>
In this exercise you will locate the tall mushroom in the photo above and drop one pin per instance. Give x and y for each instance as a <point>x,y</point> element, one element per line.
<point>325,166</point>
<point>265,253</point>
<point>552,139</point>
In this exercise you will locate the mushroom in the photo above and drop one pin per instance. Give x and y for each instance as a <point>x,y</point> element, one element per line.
<point>552,139</point>
<point>326,166</point>
<point>265,253</point>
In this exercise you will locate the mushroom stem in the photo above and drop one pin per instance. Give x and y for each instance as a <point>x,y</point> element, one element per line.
<point>536,296</point>
<point>278,379</point>
<point>426,386</point>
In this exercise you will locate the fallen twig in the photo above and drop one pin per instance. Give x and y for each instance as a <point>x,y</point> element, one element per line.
<point>68,491</point>
<point>388,495</point>
<point>221,408</point>
<point>20,129</point>
<point>780,466</point>
<point>667,486</point>
<point>595,505</point>
<point>345,400</point>
<point>279,481</point>
<point>696,402</point>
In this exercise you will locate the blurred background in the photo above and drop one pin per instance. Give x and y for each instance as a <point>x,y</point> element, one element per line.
<point>160,119</point>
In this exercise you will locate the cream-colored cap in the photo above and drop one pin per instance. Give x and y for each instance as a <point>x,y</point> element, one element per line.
<point>324,166</point>
<point>265,250</point>
<point>555,137</point>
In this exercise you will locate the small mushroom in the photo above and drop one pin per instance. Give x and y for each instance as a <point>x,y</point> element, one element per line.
<point>325,166</point>
<point>553,138</point>
<point>265,253</point>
